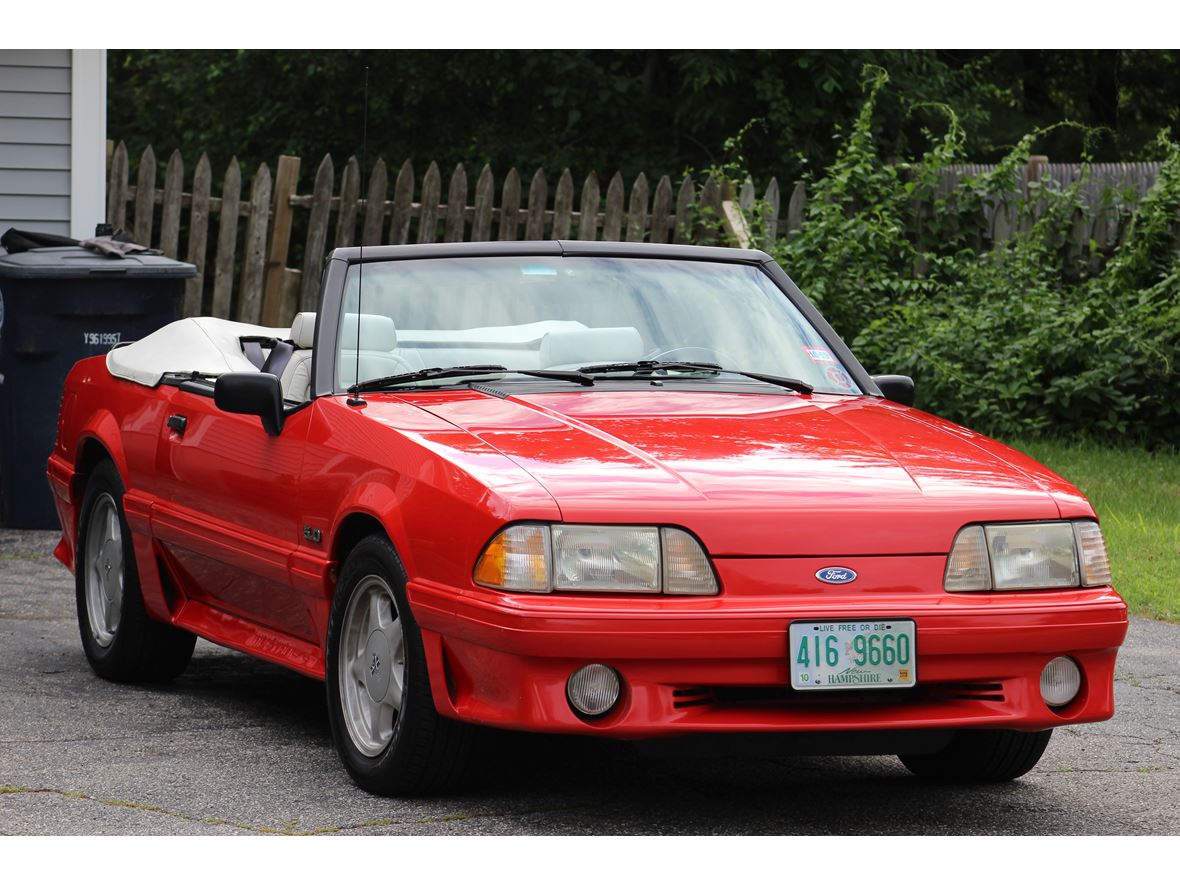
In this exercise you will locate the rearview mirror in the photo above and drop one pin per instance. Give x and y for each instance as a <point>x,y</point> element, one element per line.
<point>251,393</point>
<point>898,388</point>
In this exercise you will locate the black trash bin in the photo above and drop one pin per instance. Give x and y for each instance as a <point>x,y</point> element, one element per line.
<point>58,306</point>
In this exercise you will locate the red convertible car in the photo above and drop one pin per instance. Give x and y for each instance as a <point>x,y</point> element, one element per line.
<point>633,491</point>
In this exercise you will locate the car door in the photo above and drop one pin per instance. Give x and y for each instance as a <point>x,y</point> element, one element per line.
<point>227,511</point>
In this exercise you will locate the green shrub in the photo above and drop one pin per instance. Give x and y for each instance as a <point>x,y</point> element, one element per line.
<point>1027,336</point>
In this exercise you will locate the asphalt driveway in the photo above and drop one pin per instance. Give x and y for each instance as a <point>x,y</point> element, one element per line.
<point>239,746</point>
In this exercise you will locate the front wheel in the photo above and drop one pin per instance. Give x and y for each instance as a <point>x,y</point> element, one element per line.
<point>386,730</point>
<point>121,642</point>
<point>982,756</point>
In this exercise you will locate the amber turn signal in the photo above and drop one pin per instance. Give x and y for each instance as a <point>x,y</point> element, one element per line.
<point>516,559</point>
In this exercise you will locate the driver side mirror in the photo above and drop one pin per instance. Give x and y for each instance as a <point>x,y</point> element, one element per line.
<point>898,388</point>
<point>251,393</point>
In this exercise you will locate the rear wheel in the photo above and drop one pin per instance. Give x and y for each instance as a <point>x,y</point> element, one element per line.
<point>387,732</point>
<point>121,642</point>
<point>982,756</point>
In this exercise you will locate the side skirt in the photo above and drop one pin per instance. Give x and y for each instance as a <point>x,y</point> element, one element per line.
<point>239,634</point>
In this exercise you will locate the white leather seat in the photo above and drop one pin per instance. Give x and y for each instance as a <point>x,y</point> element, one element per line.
<point>377,352</point>
<point>581,347</point>
<point>296,377</point>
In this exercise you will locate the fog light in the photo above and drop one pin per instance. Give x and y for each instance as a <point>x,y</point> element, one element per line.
<point>1060,681</point>
<point>593,689</point>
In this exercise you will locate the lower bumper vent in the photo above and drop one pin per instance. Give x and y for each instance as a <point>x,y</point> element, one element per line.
<point>732,696</point>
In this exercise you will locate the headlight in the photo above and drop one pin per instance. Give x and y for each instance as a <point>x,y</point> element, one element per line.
<point>596,559</point>
<point>1027,556</point>
<point>603,557</point>
<point>1032,555</point>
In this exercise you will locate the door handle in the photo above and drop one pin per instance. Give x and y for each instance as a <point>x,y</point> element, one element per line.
<point>178,423</point>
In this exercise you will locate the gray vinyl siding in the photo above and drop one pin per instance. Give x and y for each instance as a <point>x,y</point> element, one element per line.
<point>35,139</point>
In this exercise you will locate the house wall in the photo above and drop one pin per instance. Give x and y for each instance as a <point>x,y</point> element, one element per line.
<point>52,139</point>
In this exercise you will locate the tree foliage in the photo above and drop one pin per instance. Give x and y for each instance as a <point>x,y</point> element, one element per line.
<point>1029,335</point>
<point>635,110</point>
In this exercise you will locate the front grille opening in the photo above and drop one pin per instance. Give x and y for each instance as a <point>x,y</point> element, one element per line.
<point>691,697</point>
<point>747,696</point>
<point>970,691</point>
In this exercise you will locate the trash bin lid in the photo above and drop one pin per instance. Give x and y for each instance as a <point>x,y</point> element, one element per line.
<point>74,262</point>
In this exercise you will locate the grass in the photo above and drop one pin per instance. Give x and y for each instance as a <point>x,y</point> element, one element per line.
<point>1137,497</point>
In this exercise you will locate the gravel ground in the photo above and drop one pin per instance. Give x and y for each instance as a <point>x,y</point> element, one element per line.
<point>236,746</point>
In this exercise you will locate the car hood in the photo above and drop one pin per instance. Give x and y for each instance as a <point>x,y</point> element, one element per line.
<point>760,474</point>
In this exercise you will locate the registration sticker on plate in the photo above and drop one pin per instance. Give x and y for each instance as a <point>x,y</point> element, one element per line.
<point>852,654</point>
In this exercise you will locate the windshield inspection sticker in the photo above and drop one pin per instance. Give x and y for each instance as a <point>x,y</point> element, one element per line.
<point>819,355</point>
<point>839,377</point>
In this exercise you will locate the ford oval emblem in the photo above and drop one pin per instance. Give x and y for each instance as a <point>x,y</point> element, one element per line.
<point>836,575</point>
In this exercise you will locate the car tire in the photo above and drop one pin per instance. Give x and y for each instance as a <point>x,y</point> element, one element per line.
<point>122,643</point>
<point>981,756</point>
<point>386,729</point>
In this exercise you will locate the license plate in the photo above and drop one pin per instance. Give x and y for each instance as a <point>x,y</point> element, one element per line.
<point>825,655</point>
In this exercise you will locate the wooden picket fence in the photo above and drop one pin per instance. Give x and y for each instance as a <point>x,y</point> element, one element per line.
<point>1109,193</point>
<point>244,273</point>
<point>251,281</point>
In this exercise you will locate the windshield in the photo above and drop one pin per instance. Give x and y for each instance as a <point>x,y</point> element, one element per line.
<point>548,312</point>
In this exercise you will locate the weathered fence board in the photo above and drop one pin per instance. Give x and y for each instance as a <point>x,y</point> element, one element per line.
<point>708,227</point>
<point>534,226</point>
<point>255,281</point>
<point>198,234</point>
<point>563,206</point>
<point>350,188</point>
<point>403,205</point>
<point>428,217</point>
<point>770,211</point>
<point>796,208</point>
<point>510,205</point>
<point>254,251</point>
<point>317,235</point>
<point>117,188</point>
<point>684,202</point>
<point>481,224</point>
<point>746,197</point>
<point>637,211</point>
<point>227,239</point>
<point>170,216</point>
<point>588,218</point>
<point>612,222</point>
<point>145,196</point>
<point>375,205</point>
<point>456,202</point>
<point>274,306</point>
<point>661,206</point>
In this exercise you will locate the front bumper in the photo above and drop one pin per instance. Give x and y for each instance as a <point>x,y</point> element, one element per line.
<point>719,665</point>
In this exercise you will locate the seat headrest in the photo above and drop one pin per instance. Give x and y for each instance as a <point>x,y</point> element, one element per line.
<point>584,346</point>
<point>303,330</point>
<point>377,332</point>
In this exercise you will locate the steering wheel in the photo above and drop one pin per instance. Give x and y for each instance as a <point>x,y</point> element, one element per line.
<point>692,355</point>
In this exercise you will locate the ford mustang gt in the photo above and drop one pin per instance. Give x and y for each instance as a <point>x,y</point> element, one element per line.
<point>625,490</point>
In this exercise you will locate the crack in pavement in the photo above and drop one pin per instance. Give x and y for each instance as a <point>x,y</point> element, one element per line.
<point>13,790</point>
<point>138,736</point>
<point>1137,682</point>
<point>1153,769</point>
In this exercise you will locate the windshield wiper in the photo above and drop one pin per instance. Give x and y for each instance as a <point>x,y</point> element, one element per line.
<point>643,368</point>
<point>463,371</point>
<point>789,383</point>
<point>646,367</point>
